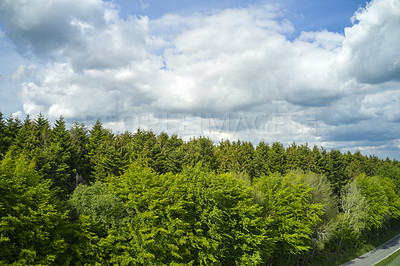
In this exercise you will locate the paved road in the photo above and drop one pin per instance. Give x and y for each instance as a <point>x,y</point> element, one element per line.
<point>378,254</point>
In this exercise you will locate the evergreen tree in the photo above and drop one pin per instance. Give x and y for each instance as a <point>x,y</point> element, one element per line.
<point>79,153</point>
<point>224,156</point>
<point>336,166</point>
<point>110,158</point>
<point>58,158</point>
<point>25,140</point>
<point>3,136</point>
<point>166,154</point>
<point>390,170</point>
<point>99,139</point>
<point>200,150</point>
<point>261,159</point>
<point>12,130</point>
<point>42,131</point>
<point>277,158</point>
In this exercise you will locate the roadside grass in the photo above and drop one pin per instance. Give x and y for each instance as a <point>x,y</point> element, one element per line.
<point>393,259</point>
<point>327,258</point>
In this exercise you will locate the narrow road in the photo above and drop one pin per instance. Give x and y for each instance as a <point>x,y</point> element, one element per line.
<point>378,254</point>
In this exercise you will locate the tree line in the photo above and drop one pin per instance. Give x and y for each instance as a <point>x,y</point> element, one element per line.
<point>78,195</point>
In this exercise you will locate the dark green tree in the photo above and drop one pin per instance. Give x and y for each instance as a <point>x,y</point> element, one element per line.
<point>200,150</point>
<point>277,158</point>
<point>336,170</point>
<point>3,136</point>
<point>58,159</point>
<point>80,155</point>
<point>99,139</point>
<point>261,159</point>
<point>12,131</point>
<point>166,156</point>
<point>390,170</point>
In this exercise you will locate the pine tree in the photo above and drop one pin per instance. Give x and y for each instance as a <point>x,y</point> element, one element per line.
<point>99,139</point>
<point>25,140</point>
<point>79,153</point>
<point>165,155</point>
<point>200,150</point>
<point>336,167</point>
<point>58,158</point>
<point>42,131</point>
<point>277,158</point>
<point>13,128</point>
<point>262,159</point>
<point>3,136</point>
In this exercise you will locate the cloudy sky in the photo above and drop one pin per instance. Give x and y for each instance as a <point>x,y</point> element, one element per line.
<point>322,72</point>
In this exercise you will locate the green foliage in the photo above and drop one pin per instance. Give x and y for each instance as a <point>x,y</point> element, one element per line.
<point>165,156</point>
<point>99,204</point>
<point>3,134</point>
<point>391,171</point>
<point>195,217</point>
<point>236,157</point>
<point>353,218</point>
<point>57,159</point>
<point>322,193</point>
<point>261,158</point>
<point>367,203</point>
<point>79,150</point>
<point>31,220</point>
<point>148,199</point>
<point>277,158</point>
<point>287,200</point>
<point>199,150</point>
<point>383,203</point>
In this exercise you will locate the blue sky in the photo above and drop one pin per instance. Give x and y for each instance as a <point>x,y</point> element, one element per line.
<point>321,72</point>
<point>305,15</point>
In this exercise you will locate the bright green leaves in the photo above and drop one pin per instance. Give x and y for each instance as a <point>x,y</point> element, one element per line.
<point>194,217</point>
<point>367,203</point>
<point>152,199</point>
<point>30,218</point>
<point>383,203</point>
<point>287,200</point>
<point>99,204</point>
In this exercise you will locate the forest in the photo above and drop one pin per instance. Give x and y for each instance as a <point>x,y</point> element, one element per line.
<point>79,195</point>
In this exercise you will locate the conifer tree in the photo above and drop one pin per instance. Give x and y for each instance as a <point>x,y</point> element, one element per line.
<point>277,158</point>
<point>99,139</point>
<point>336,168</point>
<point>79,153</point>
<point>13,127</point>
<point>262,159</point>
<point>3,136</point>
<point>58,158</point>
<point>200,150</point>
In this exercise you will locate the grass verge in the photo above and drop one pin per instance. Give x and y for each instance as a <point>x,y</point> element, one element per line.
<point>391,260</point>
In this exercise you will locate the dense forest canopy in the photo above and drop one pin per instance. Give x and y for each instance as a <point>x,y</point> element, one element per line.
<point>78,195</point>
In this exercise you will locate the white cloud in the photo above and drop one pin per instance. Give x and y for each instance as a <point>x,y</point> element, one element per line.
<point>25,71</point>
<point>44,27</point>
<point>371,51</point>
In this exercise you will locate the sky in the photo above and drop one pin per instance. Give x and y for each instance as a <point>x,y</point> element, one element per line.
<point>325,73</point>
